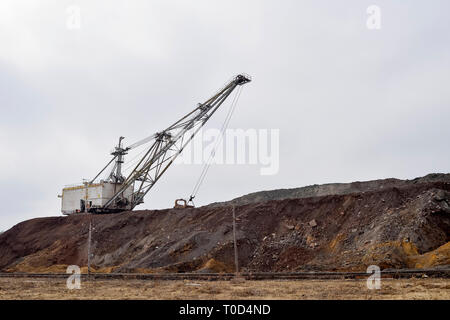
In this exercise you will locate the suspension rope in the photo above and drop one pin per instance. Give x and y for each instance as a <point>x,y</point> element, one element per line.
<point>133,161</point>
<point>218,141</point>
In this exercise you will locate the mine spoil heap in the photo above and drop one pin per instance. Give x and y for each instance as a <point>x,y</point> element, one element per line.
<point>338,227</point>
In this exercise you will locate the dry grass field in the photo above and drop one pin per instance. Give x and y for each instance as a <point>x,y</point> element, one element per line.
<point>28,288</point>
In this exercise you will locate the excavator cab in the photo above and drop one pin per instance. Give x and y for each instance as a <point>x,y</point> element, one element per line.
<point>182,204</point>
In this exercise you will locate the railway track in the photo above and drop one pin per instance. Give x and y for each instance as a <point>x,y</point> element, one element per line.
<point>403,273</point>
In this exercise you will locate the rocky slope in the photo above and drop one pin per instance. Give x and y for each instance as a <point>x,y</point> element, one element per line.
<point>405,225</point>
<point>333,189</point>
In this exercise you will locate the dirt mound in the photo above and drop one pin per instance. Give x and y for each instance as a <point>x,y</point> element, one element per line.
<point>332,189</point>
<point>393,227</point>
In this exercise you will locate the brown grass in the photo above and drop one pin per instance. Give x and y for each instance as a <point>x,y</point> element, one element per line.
<point>27,288</point>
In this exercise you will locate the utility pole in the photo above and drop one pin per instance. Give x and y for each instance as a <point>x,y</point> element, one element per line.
<point>235,243</point>
<point>86,196</point>
<point>89,248</point>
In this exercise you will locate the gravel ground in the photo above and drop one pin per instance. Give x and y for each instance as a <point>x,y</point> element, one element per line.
<point>26,288</point>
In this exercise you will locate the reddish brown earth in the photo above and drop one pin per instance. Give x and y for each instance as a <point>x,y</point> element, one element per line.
<point>394,227</point>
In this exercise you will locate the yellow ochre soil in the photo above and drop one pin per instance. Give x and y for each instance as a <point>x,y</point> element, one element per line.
<point>30,288</point>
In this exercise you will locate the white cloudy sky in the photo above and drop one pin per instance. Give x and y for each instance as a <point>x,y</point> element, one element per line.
<point>350,103</point>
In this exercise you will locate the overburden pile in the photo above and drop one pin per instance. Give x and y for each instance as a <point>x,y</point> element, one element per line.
<point>342,227</point>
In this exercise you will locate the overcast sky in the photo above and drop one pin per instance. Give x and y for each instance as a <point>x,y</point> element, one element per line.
<point>351,103</point>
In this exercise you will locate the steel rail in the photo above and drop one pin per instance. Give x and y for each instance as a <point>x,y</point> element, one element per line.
<point>401,273</point>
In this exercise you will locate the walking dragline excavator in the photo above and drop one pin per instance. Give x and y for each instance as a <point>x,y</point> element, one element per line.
<point>119,192</point>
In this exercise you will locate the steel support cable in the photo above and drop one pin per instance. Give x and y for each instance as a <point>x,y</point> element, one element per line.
<point>92,181</point>
<point>222,131</point>
<point>130,163</point>
<point>213,152</point>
